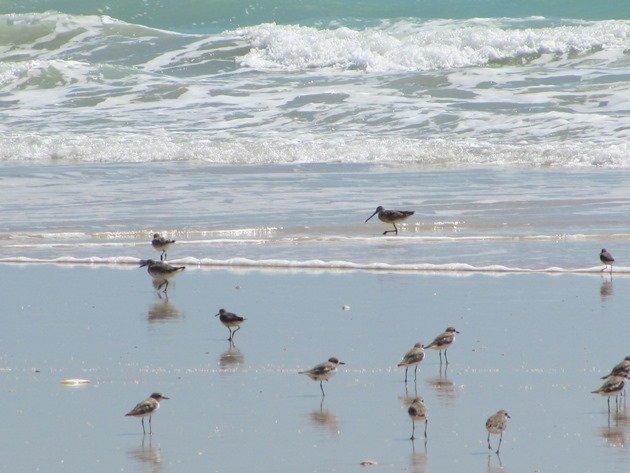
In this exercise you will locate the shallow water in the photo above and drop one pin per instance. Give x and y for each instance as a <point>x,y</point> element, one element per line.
<point>532,344</point>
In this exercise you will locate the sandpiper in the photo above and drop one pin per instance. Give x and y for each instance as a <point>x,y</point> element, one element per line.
<point>161,243</point>
<point>620,369</point>
<point>606,258</point>
<point>147,408</point>
<point>496,424</point>
<point>413,358</point>
<point>161,272</point>
<point>418,412</point>
<point>443,342</point>
<point>611,387</point>
<point>391,216</point>
<point>323,371</point>
<point>230,320</point>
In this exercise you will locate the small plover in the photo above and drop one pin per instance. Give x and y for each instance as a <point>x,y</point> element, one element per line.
<point>161,272</point>
<point>162,244</point>
<point>418,412</point>
<point>412,358</point>
<point>391,216</point>
<point>613,386</point>
<point>496,424</point>
<point>147,408</point>
<point>606,258</point>
<point>323,371</point>
<point>620,369</point>
<point>443,342</point>
<point>230,320</point>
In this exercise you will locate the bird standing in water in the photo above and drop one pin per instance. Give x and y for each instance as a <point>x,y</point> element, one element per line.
<point>496,424</point>
<point>147,408</point>
<point>230,320</point>
<point>391,216</point>
<point>161,272</point>
<point>323,371</point>
<point>606,258</point>
<point>412,358</point>
<point>161,244</point>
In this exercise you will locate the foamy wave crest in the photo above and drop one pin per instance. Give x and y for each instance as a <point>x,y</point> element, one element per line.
<point>312,265</point>
<point>164,147</point>
<point>405,46</point>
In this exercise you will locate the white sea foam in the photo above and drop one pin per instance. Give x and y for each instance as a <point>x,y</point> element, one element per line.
<point>307,265</point>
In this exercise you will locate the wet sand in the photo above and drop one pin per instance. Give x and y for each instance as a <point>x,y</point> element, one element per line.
<point>534,344</point>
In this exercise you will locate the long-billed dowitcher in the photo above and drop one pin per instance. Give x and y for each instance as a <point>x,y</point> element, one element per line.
<point>147,408</point>
<point>391,216</point>
<point>323,371</point>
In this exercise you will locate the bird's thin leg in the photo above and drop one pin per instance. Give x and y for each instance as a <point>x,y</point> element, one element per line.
<point>446,357</point>
<point>142,420</point>
<point>150,428</point>
<point>395,228</point>
<point>426,422</point>
<point>500,439</point>
<point>489,447</point>
<point>237,329</point>
<point>609,405</point>
<point>321,386</point>
<point>440,352</point>
<point>406,374</point>
<point>415,375</point>
<point>163,255</point>
<point>413,429</point>
<point>230,330</point>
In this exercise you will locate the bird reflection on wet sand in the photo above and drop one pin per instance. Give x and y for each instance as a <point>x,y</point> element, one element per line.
<point>606,290</point>
<point>146,454</point>
<point>163,311</point>
<point>324,419</point>
<point>419,457</point>
<point>495,465</point>
<point>444,387</point>
<point>615,432</point>
<point>231,359</point>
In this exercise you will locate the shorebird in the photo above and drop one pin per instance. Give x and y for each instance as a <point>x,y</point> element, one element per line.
<point>443,342</point>
<point>161,244</point>
<point>496,424</point>
<point>323,371</point>
<point>606,258</point>
<point>161,272</point>
<point>620,369</point>
<point>413,358</point>
<point>611,387</point>
<point>391,216</point>
<point>230,320</point>
<point>147,408</point>
<point>418,412</point>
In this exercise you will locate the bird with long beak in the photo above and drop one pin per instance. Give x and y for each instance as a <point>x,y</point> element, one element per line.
<point>391,216</point>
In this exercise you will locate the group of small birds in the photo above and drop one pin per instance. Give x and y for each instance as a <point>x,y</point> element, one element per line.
<point>162,273</point>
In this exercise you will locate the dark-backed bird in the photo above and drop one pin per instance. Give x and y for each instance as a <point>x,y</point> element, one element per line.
<point>161,272</point>
<point>391,216</point>
<point>613,386</point>
<point>230,320</point>
<point>606,258</point>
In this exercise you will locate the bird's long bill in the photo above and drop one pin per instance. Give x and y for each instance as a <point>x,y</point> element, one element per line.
<point>164,397</point>
<point>375,212</point>
<point>144,263</point>
<point>216,315</point>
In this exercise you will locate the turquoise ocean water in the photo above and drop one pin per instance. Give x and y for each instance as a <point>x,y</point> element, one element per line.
<point>265,133</point>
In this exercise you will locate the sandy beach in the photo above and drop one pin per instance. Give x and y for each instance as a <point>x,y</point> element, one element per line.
<point>534,344</point>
